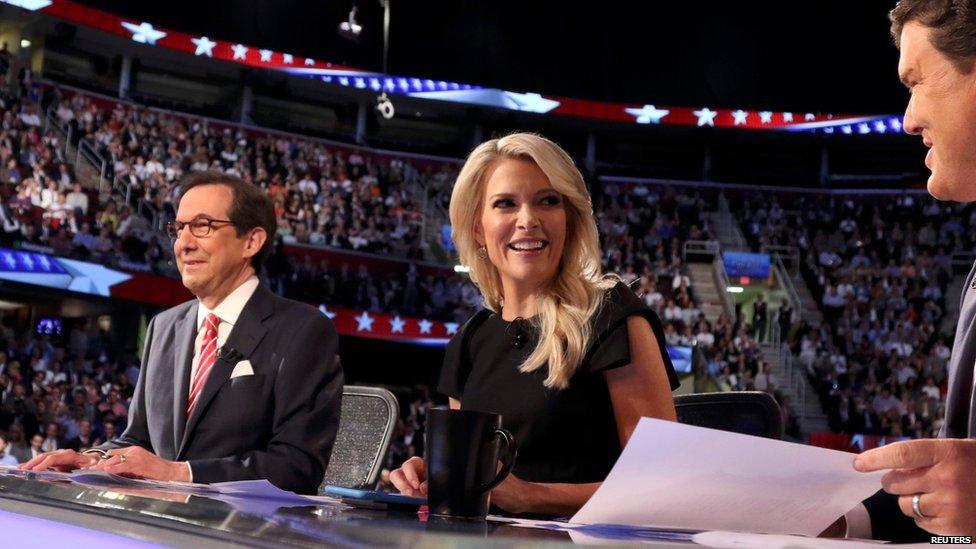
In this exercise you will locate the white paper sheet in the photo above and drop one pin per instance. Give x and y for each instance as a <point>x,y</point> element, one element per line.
<point>93,477</point>
<point>41,475</point>
<point>672,475</point>
<point>613,534</point>
<point>262,489</point>
<point>738,540</point>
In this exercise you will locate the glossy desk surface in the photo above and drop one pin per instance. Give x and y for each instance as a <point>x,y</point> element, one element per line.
<point>178,519</point>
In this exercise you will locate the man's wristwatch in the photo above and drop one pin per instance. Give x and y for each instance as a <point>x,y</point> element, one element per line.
<point>102,454</point>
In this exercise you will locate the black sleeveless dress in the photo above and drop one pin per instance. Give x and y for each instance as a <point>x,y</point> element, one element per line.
<point>567,435</point>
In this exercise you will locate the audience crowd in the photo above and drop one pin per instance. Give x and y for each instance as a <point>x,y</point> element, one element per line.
<point>879,267</point>
<point>324,195</point>
<point>55,393</point>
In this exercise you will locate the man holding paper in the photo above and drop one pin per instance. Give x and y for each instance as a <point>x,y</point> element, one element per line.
<point>238,384</point>
<point>931,484</point>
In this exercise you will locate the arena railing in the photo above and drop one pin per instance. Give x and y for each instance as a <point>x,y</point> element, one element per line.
<point>787,281</point>
<point>722,281</point>
<point>700,247</point>
<point>87,153</point>
<point>785,254</point>
<point>727,186</point>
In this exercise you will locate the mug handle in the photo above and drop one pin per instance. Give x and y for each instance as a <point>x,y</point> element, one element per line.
<point>507,459</point>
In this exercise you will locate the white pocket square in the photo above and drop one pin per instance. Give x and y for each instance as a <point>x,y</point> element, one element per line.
<point>242,368</point>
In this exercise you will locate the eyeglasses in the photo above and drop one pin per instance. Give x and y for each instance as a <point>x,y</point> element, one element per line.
<point>201,227</point>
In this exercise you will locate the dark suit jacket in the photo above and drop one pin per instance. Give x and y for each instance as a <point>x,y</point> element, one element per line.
<point>887,520</point>
<point>278,424</point>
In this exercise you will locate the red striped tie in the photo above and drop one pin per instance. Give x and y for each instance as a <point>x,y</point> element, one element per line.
<point>208,356</point>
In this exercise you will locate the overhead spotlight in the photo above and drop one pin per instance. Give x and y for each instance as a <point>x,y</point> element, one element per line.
<point>384,106</point>
<point>25,43</point>
<point>350,29</point>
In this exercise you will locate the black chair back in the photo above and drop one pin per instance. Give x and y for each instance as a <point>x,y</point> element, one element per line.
<point>747,412</point>
<point>369,416</point>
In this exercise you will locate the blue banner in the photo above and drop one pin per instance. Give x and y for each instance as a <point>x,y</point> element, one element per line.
<point>746,264</point>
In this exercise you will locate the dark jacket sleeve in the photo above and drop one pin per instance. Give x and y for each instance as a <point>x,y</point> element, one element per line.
<point>889,523</point>
<point>137,430</point>
<point>307,402</point>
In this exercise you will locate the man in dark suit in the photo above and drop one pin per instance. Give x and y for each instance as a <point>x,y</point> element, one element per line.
<point>760,315</point>
<point>930,487</point>
<point>237,384</point>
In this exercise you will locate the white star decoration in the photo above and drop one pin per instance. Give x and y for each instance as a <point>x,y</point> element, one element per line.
<point>809,117</point>
<point>364,322</point>
<point>740,117</point>
<point>451,327</point>
<point>325,310</point>
<point>765,117</point>
<point>309,62</point>
<point>706,117</point>
<point>144,33</point>
<point>787,117</point>
<point>240,51</point>
<point>288,58</point>
<point>266,56</point>
<point>204,45</point>
<point>896,124</point>
<point>648,114</point>
<point>425,326</point>
<point>396,325</point>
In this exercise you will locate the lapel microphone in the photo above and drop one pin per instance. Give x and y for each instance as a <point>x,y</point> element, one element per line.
<point>230,354</point>
<point>517,335</point>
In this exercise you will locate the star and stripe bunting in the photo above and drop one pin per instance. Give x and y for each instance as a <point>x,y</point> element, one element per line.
<point>390,327</point>
<point>648,114</point>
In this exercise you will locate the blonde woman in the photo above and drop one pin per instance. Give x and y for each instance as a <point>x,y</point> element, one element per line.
<point>569,356</point>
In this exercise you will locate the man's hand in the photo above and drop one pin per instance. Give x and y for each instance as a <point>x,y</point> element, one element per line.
<point>942,471</point>
<point>64,461</point>
<point>136,461</point>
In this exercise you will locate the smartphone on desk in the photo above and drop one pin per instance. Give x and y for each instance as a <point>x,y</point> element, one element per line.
<point>374,499</point>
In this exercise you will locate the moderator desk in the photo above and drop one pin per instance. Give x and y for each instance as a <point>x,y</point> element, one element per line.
<point>83,516</point>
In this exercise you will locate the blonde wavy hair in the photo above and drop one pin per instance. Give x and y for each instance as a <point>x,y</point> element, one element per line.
<point>576,293</point>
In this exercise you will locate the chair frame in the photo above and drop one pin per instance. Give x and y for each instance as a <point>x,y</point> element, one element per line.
<point>390,400</point>
<point>764,400</point>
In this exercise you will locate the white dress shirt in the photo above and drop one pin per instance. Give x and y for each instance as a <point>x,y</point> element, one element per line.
<point>228,311</point>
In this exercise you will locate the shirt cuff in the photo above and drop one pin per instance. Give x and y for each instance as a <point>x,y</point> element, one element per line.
<point>190,471</point>
<point>858,523</point>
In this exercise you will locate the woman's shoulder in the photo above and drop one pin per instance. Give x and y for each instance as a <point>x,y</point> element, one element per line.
<point>467,329</point>
<point>622,295</point>
<point>621,302</point>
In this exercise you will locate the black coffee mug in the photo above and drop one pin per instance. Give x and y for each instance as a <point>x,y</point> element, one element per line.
<point>463,450</point>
